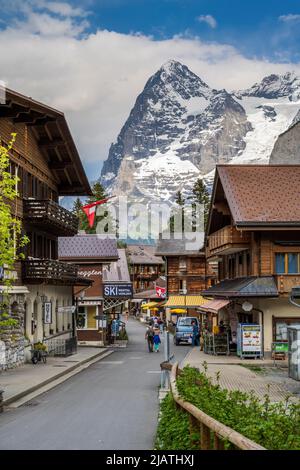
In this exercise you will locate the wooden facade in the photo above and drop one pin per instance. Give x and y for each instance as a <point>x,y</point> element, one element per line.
<point>187,274</point>
<point>255,238</point>
<point>46,162</point>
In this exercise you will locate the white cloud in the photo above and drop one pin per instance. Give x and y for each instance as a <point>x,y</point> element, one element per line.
<point>47,25</point>
<point>61,8</point>
<point>208,19</point>
<point>95,78</point>
<point>291,18</point>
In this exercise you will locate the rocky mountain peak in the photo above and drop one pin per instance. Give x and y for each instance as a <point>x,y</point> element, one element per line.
<point>179,129</point>
<point>275,86</point>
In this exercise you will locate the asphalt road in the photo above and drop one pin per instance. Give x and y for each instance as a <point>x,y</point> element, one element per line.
<point>112,405</point>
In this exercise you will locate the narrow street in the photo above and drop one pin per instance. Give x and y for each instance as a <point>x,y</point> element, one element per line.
<point>111,405</point>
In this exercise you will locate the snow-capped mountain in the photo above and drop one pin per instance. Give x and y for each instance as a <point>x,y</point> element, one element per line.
<point>180,128</point>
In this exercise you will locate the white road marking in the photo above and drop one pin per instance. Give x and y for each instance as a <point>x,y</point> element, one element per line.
<point>153,371</point>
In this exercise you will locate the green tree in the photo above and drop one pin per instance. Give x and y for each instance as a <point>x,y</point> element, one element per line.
<point>77,210</point>
<point>178,209</point>
<point>201,196</point>
<point>98,194</point>
<point>12,241</point>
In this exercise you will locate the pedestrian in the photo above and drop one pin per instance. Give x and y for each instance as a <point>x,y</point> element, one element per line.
<point>149,336</point>
<point>196,335</point>
<point>161,325</point>
<point>126,316</point>
<point>156,340</point>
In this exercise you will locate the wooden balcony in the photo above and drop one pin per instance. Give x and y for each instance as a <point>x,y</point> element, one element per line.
<point>48,271</point>
<point>226,241</point>
<point>50,216</point>
<point>146,275</point>
<point>285,282</point>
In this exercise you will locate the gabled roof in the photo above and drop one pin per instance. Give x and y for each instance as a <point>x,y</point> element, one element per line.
<point>179,244</point>
<point>244,287</point>
<point>53,137</point>
<point>117,271</point>
<point>87,248</point>
<point>143,254</point>
<point>259,195</point>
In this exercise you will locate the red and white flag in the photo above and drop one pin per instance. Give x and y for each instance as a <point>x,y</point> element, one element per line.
<point>90,209</point>
<point>161,291</point>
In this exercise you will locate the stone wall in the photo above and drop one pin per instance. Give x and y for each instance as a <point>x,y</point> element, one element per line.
<point>12,340</point>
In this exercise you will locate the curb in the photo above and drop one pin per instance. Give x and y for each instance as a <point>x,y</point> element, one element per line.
<point>48,381</point>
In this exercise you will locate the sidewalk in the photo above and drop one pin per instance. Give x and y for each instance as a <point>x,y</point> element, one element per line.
<point>233,376</point>
<point>24,380</point>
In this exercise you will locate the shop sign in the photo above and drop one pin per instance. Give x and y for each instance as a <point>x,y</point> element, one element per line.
<point>66,310</point>
<point>280,347</point>
<point>117,290</point>
<point>251,338</point>
<point>47,307</point>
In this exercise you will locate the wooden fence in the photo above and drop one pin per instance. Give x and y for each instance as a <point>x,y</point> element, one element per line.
<point>213,434</point>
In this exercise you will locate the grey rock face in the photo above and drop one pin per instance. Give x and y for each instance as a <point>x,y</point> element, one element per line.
<point>180,128</point>
<point>287,147</point>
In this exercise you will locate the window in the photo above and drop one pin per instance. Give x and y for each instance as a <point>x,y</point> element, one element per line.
<point>280,327</point>
<point>81,318</point>
<point>287,263</point>
<point>182,263</point>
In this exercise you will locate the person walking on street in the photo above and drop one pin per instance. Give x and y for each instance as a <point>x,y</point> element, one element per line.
<point>156,341</point>
<point>149,336</point>
<point>161,325</point>
<point>126,316</point>
<point>196,336</point>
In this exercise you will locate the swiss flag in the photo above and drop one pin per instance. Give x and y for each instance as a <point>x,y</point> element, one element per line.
<point>161,291</point>
<point>90,209</point>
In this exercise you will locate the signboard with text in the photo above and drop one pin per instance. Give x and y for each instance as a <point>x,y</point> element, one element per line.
<point>47,307</point>
<point>249,340</point>
<point>117,291</point>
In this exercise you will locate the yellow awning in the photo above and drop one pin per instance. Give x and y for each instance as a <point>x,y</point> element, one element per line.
<point>178,310</point>
<point>150,305</point>
<point>186,301</point>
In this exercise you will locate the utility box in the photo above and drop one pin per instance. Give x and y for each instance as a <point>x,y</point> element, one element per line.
<point>294,352</point>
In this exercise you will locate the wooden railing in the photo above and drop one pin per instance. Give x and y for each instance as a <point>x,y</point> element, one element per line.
<point>50,214</point>
<point>208,426</point>
<point>228,235</point>
<point>39,270</point>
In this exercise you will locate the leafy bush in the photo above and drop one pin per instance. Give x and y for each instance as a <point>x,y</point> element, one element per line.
<point>40,346</point>
<point>272,425</point>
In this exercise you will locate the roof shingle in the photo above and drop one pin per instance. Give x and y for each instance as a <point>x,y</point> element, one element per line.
<point>87,246</point>
<point>262,194</point>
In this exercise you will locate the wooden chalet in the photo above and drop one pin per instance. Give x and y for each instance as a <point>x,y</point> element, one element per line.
<point>254,235</point>
<point>187,272</point>
<point>46,160</point>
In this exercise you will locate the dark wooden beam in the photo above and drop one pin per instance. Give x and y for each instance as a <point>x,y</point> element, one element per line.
<point>12,111</point>
<point>28,117</point>
<point>41,121</point>
<point>51,144</point>
<point>60,165</point>
<point>66,189</point>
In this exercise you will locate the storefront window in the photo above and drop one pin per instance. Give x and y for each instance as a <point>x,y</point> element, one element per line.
<point>281,327</point>
<point>81,318</point>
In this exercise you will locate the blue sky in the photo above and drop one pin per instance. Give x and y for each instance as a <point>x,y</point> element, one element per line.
<point>92,58</point>
<point>257,27</point>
